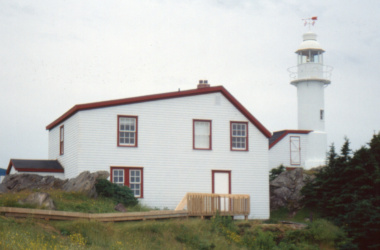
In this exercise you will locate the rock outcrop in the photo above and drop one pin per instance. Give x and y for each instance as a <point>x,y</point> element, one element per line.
<point>19,182</point>
<point>285,190</point>
<point>85,183</point>
<point>39,199</point>
<point>120,207</point>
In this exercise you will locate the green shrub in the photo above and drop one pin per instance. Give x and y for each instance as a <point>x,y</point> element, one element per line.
<point>120,194</point>
<point>319,233</point>
<point>258,239</point>
<point>276,172</point>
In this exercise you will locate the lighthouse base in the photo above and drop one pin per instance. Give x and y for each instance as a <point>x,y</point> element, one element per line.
<point>316,149</point>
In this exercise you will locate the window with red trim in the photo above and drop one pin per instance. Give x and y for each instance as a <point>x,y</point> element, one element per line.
<point>239,136</point>
<point>61,140</point>
<point>127,131</point>
<point>202,134</point>
<point>131,177</point>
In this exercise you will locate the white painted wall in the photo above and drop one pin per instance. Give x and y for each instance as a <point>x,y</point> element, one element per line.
<point>317,152</point>
<point>280,153</point>
<point>165,149</point>
<point>310,94</point>
<point>69,160</point>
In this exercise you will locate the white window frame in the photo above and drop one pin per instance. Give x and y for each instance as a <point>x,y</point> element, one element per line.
<point>61,140</point>
<point>239,136</point>
<point>116,177</point>
<point>202,134</point>
<point>135,181</point>
<point>127,131</point>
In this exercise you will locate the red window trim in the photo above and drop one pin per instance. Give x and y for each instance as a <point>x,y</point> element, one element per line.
<point>201,120</point>
<point>247,136</point>
<point>126,177</point>
<point>61,140</point>
<point>118,131</point>
<point>213,179</point>
<point>299,150</point>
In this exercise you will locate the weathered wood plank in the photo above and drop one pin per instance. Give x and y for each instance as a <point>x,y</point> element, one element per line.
<point>63,215</point>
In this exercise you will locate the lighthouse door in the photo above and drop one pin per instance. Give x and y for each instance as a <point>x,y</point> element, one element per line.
<point>295,150</point>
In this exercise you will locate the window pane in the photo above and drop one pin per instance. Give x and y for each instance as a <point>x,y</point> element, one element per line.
<point>202,138</point>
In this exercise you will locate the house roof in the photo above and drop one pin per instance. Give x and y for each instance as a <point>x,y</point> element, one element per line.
<point>155,97</point>
<point>50,166</point>
<point>279,135</point>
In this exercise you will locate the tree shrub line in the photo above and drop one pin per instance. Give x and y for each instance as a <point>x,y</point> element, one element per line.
<point>347,192</point>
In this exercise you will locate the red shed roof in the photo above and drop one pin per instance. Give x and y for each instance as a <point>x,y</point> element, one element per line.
<point>156,97</point>
<point>22,165</point>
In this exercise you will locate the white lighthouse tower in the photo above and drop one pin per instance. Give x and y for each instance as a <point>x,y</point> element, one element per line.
<point>306,146</point>
<point>310,77</point>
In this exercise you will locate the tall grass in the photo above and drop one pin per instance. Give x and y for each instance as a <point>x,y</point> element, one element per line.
<point>218,233</point>
<point>70,201</point>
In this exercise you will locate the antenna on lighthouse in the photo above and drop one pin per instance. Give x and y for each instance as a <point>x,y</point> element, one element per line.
<point>310,21</point>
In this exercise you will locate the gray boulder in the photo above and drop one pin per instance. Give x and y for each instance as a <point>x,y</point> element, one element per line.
<point>85,183</point>
<point>120,207</point>
<point>41,200</point>
<point>19,182</point>
<point>285,190</point>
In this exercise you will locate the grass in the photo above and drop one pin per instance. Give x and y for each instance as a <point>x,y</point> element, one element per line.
<point>302,216</point>
<point>69,201</point>
<point>216,233</point>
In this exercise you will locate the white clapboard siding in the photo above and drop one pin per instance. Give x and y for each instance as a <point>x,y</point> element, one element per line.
<point>69,160</point>
<point>280,153</point>
<point>165,149</point>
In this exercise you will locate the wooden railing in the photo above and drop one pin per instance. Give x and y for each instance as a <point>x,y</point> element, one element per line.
<point>106,217</point>
<point>202,204</point>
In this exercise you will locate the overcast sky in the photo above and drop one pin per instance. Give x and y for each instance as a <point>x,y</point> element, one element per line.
<point>55,54</point>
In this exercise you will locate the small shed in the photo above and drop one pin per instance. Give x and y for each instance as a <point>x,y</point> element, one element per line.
<point>41,167</point>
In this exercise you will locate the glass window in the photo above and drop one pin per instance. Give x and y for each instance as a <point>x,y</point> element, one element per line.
<point>61,140</point>
<point>239,136</point>
<point>135,182</point>
<point>202,134</point>
<point>127,131</point>
<point>131,177</point>
<point>118,176</point>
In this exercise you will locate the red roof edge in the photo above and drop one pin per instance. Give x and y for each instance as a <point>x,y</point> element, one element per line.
<point>156,97</point>
<point>9,167</point>
<point>40,170</point>
<point>286,132</point>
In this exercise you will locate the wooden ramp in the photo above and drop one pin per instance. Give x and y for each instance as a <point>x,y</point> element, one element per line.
<point>106,217</point>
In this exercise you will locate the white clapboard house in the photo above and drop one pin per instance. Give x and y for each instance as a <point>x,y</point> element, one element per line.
<point>165,145</point>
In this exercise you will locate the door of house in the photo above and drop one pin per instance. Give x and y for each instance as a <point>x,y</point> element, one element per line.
<point>222,185</point>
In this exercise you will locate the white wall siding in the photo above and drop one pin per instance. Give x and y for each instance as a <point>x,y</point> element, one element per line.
<point>280,153</point>
<point>165,149</point>
<point>69,160</point>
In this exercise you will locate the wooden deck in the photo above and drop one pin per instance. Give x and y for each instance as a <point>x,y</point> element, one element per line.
<point>203,204</point>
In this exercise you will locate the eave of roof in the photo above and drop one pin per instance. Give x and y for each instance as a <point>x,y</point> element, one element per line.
<point>279,135</point>
<point>47,166</point>
<point>155,97</point>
